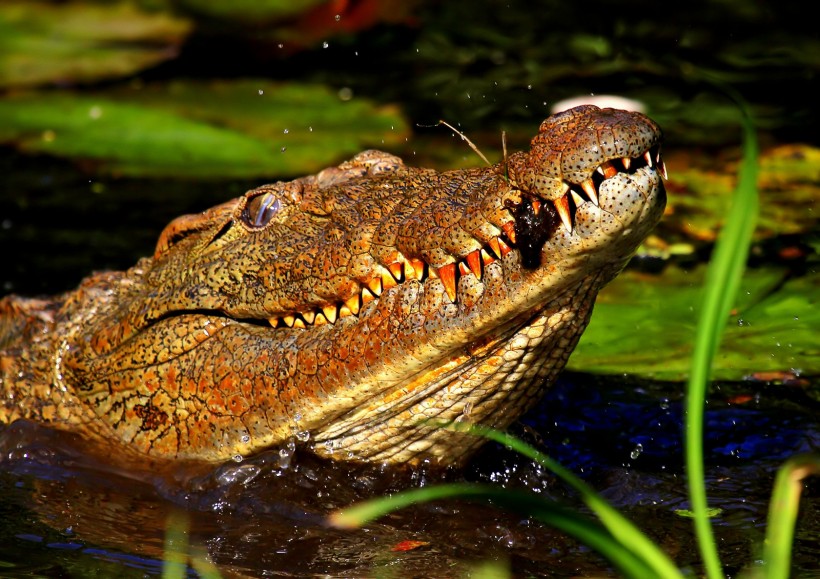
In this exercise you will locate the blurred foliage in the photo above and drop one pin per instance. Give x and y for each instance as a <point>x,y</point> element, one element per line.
<point>200,130</point>
<point>43,42</point>
<point>700,189</point>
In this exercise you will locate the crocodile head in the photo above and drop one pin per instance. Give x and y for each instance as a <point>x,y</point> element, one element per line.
<point>353,310</point>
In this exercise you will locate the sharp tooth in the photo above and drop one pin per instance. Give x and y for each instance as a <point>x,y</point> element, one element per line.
<point>298,323</point>
<point>375,286</point>
<point>493,243</point>
<point>609,169</point>
<point>344,311</point>
<point>388,280</point>
<point>288,320</point>
<point>600,170</point>
<point>474,262</point>
<point>353,304</point>
<point>396,270</point>
<point>330,313</point>
<point>536,207</point>
<point>309,316</point>
<point>627,162</point>
<point>447,273</point>
<point>562,206</point>
<point>409,271</point>
<point>418,266</point>
<point>509,231</point>
<point>462,268</point>
<point>273,321</point>
<point>486,257</point>
<point>367,295</point>
<point>320,319</point>
<point>589,188</point>
<point>648,158</point>
<point>662,167</point>
<point>504,249</point>
<point>577,198</point>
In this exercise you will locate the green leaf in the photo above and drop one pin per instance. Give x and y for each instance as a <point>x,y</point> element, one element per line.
<point>644,324</point>
<point>232,129</point>
<point>78,42</point>
<point>250,11</point>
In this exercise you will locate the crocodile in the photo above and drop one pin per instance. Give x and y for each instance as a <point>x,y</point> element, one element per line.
<point>350,312</point>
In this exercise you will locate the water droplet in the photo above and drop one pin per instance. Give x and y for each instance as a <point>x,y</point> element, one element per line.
<point>325,44</point>
<point>338,17</point>
<point>261,92</point>
<point>95,112</point>
<point>345,93</point>
<point>237,458</point>
<point>286,131</point>
<point>303,436</point>
<point>246,438</point>
<point>284,149</point>
<point>636,452</point>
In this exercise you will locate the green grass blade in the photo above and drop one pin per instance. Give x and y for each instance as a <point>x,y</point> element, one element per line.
<point>722,283</point>
<point>175,555</point>
<point>615,522</point>
<point>548,512</point>
<point>777,550</point>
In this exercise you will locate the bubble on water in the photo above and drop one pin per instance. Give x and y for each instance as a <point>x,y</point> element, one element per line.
<point>237,458</point>
<point>636,452</point>
<point>303,436</point>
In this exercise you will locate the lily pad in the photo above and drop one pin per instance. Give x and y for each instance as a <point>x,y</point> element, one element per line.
<point>701,192</point>
<point>79,42</point>
<point>233,129</point>
<point>644,325</point>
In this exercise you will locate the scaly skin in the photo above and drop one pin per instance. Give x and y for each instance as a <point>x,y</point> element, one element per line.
<point>344,309</point>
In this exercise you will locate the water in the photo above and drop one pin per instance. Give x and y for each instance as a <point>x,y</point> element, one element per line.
<point>67,514</point>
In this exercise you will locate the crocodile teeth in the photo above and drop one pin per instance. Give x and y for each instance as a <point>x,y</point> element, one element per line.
<point>589,188</point>
<point>609,169</point>
<point>353,304</point>
<point>396,270</point>
<point>367,295</point>
<point>274,321</point>
<point>388,280</point>
<point>418,267</point>
<point>627,162</point>
<point>536,206</point>
<point>662,167</point>
<point>289,320</point>
<point>486,257</point>
<point>474,262</point>
<point>509,230</point>
<point>495,246</point>
<point>344,311</point>
<point>562,206</point>
<point>375,286</point>
<point>462,268</point>
<point>330,313</point>
<point>648,158</point>
<point>504,249</point>
<point>576,198</point>
<point>320,319</point>
<point>309,317</point>
<point>298,323</point>
<point>447,274</point>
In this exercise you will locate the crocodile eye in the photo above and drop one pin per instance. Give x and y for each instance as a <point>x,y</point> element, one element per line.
<point>260,210</point>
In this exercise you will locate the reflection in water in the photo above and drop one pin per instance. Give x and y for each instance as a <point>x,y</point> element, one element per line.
<point>70,513</point>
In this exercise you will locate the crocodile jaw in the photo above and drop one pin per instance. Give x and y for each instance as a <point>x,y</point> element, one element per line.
<point>497,361</point>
